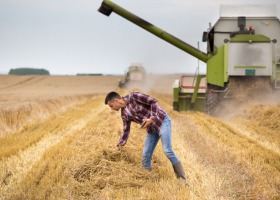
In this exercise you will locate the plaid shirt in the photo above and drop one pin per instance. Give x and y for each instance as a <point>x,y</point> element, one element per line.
<point>139,107</point>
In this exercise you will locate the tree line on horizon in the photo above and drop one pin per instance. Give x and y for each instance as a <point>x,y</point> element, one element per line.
<point>36,71</point>
<point>28,71</point>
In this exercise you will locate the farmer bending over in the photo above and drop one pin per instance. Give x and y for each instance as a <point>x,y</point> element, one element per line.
<point>141,108</point>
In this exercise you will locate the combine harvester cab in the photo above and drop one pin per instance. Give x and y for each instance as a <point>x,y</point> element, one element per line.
<point>246,61</point>
<point>242,49</point>
<point>135,76</point>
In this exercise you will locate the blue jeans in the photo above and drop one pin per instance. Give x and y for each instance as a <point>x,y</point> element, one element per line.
<point>151,142</point>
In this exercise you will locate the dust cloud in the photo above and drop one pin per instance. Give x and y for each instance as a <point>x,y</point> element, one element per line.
<point>157,83</point>
<point>246,96</point>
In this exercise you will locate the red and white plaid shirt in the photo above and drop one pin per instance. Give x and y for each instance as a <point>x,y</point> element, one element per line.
<point>139,107</point>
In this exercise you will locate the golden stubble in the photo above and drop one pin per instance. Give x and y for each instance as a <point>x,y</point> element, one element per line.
<point>71,153</point>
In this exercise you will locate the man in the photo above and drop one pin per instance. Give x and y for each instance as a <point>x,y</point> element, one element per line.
<point>143,109</point>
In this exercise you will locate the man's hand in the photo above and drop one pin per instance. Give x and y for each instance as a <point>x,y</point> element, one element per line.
<point>116,149</point>
<point>146,123</point>
<point>121,143</point>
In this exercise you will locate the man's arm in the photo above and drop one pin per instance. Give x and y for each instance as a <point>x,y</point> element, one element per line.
<point>125,133</point>
<point>143,98</point>
<point>146,99</point>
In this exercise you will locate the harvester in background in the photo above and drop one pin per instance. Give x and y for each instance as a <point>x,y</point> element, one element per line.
<point>242,55</point>
<point>135,74</point>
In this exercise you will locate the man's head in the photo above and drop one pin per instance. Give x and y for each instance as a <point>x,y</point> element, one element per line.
<point>114,101</point>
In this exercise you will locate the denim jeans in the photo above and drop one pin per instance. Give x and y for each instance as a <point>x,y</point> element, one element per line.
<point>151,142</point>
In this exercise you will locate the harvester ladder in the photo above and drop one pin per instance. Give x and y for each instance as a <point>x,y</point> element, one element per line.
<point>277,66</point>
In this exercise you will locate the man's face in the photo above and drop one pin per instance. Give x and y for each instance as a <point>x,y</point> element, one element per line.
<point>114,104</point>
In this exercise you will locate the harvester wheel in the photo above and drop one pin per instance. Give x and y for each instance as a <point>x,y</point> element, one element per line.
<point>211,101</point>
<point>176,106</point>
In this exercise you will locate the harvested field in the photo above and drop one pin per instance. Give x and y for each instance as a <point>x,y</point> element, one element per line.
<point>57,141</point>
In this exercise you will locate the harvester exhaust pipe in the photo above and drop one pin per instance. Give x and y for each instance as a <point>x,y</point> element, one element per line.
<point>107,7</point>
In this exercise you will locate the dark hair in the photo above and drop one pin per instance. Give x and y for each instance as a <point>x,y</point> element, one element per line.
<point>111,96</point>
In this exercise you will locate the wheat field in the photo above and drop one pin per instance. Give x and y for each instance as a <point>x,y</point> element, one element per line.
<point>58,141</point>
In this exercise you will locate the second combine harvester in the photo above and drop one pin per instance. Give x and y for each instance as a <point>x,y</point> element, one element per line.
<point>237,56</point>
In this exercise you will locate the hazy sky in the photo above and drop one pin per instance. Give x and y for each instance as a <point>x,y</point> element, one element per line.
<point>71,36</point>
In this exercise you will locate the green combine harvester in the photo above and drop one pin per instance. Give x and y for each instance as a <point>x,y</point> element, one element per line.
<point>238,58</point>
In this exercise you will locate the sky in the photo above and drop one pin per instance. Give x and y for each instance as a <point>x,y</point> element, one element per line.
<point>67,37</point>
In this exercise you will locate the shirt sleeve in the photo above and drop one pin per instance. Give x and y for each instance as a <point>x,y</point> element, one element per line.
<point>154,111</point>
<point>125,133</point>
<point>146,99</point>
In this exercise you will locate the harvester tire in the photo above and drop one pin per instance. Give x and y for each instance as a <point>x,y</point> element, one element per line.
<point>211,101</point>
<point>176,106</point>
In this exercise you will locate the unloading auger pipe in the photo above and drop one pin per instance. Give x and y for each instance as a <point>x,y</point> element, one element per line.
<point>107,7</point>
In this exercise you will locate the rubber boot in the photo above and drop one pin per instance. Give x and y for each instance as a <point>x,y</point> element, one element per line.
<point>180,173</point>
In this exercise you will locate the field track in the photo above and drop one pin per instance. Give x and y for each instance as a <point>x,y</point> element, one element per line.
<point>58,140</point>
